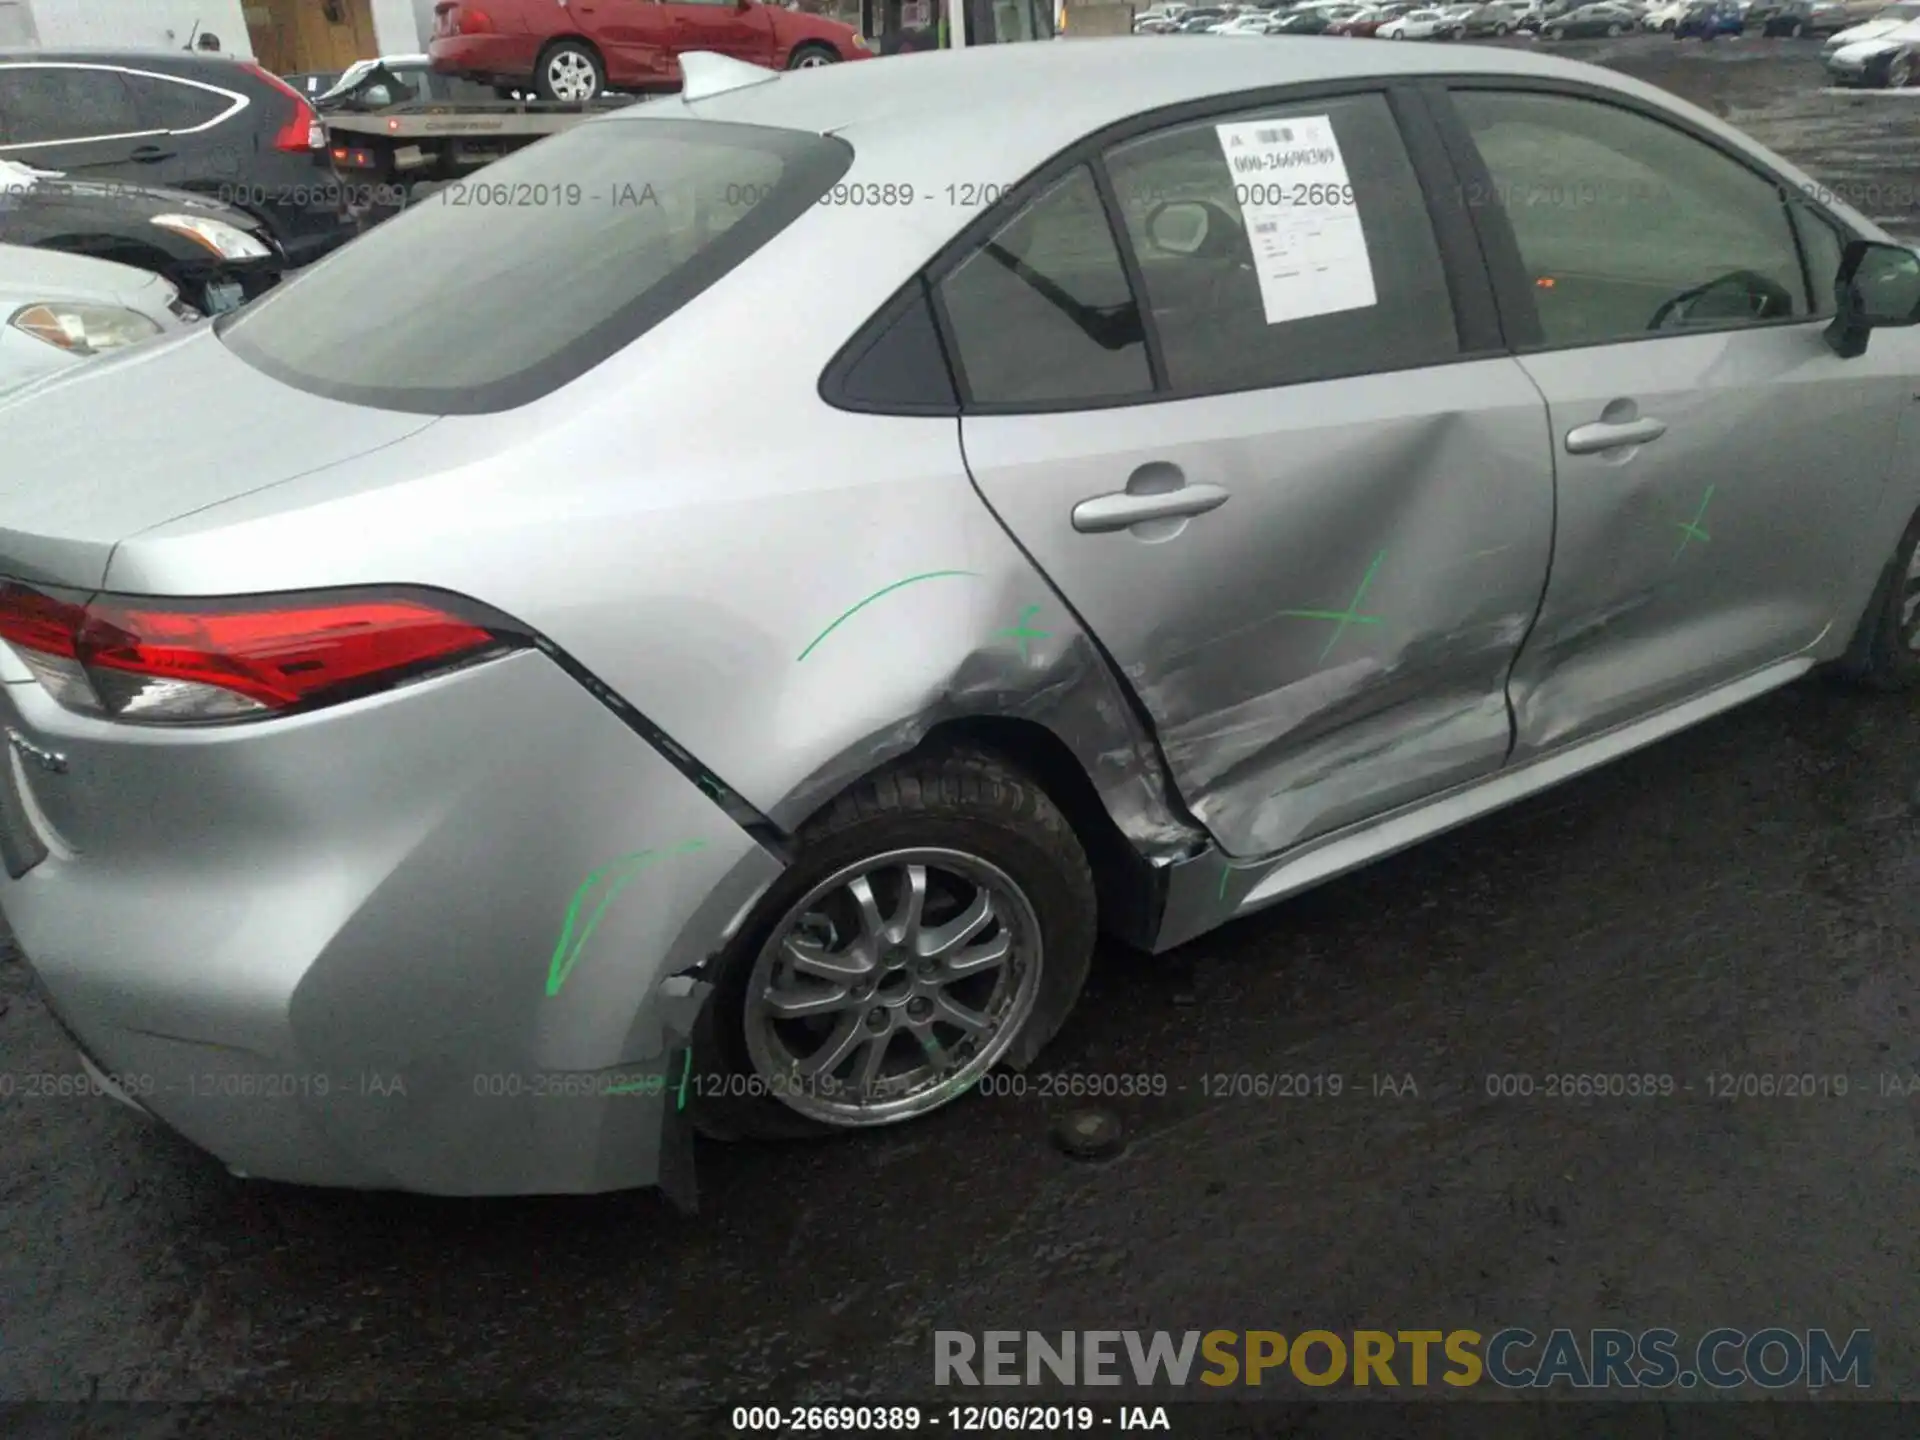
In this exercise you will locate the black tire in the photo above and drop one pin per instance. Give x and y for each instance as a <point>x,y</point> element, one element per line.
<point>581,55</point>
<point>1796,30</point>
<point>1612,31</point>
<point>963,799</point>
<point>1879,657</point>
<point>1899,73</point>
<point>810,56</point>
<point>1500,31</point>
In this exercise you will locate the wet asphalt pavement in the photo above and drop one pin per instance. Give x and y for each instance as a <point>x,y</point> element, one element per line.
<point>1744,898</point>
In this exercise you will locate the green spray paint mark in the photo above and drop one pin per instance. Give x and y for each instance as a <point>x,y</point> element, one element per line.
<point>884,590</point>
<point>1690,529</point>
<point>1225,876</point>
<point>566,954</point>
<point>1020,631</point>
<point>1349,616</point>
<point>686,1069</point>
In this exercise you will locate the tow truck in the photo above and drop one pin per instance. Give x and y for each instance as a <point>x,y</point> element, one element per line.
<point>429,143</point>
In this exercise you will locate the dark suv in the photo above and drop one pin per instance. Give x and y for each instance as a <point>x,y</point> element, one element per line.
<point>221,127</point>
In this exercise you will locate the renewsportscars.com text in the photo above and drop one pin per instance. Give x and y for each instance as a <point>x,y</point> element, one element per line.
<point>1512,1358</point>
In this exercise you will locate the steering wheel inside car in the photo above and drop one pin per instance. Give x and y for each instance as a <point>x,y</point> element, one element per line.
<point>1737,295</point>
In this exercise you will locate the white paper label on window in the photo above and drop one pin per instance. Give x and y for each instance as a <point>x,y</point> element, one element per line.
<point>1309,249</point>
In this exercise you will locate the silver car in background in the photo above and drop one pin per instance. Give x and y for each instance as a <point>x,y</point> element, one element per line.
<point>57,310</point>
<point>777,596</point>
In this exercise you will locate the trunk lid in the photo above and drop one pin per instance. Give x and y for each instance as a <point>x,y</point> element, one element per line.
<point>124,443</point>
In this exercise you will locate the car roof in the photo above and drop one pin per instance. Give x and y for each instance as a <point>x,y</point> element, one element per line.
<point>917,119</point>
<point>1056,91</point>
<point>179,62</point>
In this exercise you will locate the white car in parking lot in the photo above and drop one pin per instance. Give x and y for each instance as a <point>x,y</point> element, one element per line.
<point>58,310</point>
<point>1664,17</point>
<point>1893,18</point>
<point>1417,25</point>
<point>1889,61</point>
<point>1253,22</point>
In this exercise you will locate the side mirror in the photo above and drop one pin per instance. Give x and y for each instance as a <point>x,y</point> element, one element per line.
<point>1878,285</point>
<point>1179,227</point>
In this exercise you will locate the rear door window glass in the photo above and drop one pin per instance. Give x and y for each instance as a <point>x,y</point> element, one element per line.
<point>1307,255</point>
<point>45,104</point>
<point>172,105</point>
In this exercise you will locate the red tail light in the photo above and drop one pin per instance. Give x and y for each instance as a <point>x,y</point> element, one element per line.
<point>165,661</point>
<point>454,17</point>
<point>303,130</point>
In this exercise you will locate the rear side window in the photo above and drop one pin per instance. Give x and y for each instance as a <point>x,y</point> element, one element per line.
<point>1042,314</point>
<point>499,291</point>
<point>44,104</point>
<point>170,105</point>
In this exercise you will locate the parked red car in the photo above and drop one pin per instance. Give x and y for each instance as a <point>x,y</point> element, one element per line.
<point>575,49</point>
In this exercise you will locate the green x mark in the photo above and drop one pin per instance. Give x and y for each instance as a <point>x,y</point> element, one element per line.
<point>1024,634</point>
<point>1690,529</point>
<point>1349,616</point>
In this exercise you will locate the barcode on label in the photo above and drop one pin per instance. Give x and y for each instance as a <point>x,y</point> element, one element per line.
<point>1273,137</point>
<point>1266,227</point>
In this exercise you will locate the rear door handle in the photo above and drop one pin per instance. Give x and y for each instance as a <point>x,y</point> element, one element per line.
<point>149,154</point>
<point>1606,435</point>
<point>1124,509</point>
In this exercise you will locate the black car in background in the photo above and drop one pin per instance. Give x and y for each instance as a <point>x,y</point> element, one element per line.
<point>217,256</point>
<point>222,128</point>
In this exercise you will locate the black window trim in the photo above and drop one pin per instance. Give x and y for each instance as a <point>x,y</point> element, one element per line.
<point>1476,318</point>
<point>1513,289</point>
<point>835,379</point>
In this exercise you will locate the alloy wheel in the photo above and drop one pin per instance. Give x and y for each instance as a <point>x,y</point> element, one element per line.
<point>892,986</point>
<point>571,77</point>
<point>1900,72</point>
<point>811,60</point>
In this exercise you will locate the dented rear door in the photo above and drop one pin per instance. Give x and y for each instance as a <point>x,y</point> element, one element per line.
<point>1315,582</point>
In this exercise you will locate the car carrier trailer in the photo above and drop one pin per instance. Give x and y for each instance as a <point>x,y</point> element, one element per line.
<point>424,141</point>
<point>428,141</point>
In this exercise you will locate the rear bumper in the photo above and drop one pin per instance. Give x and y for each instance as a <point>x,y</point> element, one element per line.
<point>506,57</point>
<point>327,949</point>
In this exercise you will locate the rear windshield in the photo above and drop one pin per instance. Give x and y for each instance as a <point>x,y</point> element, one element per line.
<point>503,287</point>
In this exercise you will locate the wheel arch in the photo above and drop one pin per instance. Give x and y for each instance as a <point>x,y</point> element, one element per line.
<point>1130,887</point>
<point>553,42</point>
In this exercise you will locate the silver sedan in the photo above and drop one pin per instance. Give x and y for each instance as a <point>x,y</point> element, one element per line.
<point>705,625</point>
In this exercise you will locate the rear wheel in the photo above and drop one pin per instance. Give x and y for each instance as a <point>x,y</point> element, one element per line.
<point>1612,31</point>
<point>1500,30</point>
<point>938,921</point>
<point>1900,72</point>
<point>570,71</point>
<point>1795,29</point>
<point>812,57</point>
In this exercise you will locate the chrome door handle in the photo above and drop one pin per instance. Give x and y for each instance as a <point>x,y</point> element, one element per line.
<point>1605,435</point>
<point>1123,509</point>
